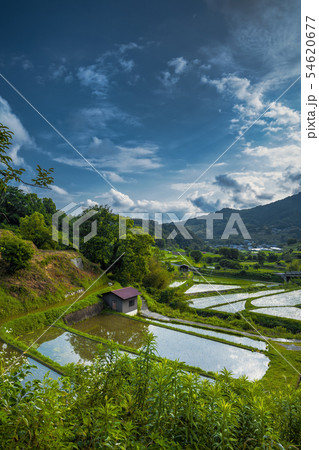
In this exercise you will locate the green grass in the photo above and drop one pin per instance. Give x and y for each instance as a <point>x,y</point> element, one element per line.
<point>50,276</point>
<point>284,368</point>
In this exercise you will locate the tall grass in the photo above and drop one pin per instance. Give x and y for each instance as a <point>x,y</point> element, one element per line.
<point>139,403</point>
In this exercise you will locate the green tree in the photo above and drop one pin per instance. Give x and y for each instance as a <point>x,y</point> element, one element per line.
<point>98,250</point>
<point>261,257</point>
<point>8,173</point>
<point>158,276</point>
<point>196,255</point>
<point>35,229</point>
<point>133,266</point>
<point>294,266</point>
<point>229,253</point>
<point>17,203</point>
<point>49,205</point>
<point>15,252</point>
<point>272,257</point>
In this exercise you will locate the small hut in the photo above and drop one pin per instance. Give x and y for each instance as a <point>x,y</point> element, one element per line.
<point>184,268</point>
<point>122,300</point>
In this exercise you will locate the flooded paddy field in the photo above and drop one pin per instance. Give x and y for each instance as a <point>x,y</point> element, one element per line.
<point>65,347</point>
<point>206,302</point>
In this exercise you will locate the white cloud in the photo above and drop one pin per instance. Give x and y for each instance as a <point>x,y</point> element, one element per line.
<point>91,203</point>
<point>179,64</point>
<point>104,155</point>
<point>114,177</point>
<point>276,157</point>
<point>240,88</point>
<point>75,162</point>
<point>167,79</point>
<point>22,60</point>
<point>117,200</point>
<point>21,136</point>
<point>251,103</point>
<point>60,72</point>
<point>130,46</point>
<point>283,115</point>
<point>58,190</point>
<point>122,203</point>
<point>127,64</point>
<point>93,78</point>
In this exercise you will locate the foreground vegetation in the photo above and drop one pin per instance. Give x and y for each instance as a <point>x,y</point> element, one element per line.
<point>120,402</point>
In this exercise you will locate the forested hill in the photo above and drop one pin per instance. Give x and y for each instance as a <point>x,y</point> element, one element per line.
<point>269,224</point>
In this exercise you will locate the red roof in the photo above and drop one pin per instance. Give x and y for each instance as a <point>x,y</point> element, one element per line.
<point>126,293</point>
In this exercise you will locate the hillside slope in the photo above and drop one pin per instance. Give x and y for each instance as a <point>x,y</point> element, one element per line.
<point>50,276</point>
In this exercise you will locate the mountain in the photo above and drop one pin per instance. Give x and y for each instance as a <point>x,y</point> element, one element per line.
<point>273,223</point>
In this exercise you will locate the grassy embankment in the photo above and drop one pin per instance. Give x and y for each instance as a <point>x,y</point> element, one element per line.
<point>47,280</point>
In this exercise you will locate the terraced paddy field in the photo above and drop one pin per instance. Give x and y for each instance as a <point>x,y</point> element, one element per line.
<point>288,312</point>
<point>37,372</point>
<point>258,344</point>
<point>292,298</point>
<point>65,347</point>
<point>205,287</point>
<point>206,302</point>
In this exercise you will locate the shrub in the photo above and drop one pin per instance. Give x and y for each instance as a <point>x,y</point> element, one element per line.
<point>35,229</point>
<point>15,252</point>
<point>196,255</point>
<point>139,403</point>
<point>229,264</point>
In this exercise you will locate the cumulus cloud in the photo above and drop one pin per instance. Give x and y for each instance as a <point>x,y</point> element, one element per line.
<point>240,88</point>
<point>282,115</point>
<point>123,203</point>
<point>279,157</point>
<point>117,200</point>
<point>226,181</point>
<point>90,203</point>
<point>250,104</point>
<point>206,204</point>
<point>21,136</point>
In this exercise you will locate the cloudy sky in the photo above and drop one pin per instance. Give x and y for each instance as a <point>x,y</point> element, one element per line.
<point>171,103</point>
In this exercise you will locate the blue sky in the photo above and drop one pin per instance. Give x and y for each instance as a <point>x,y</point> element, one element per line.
<point>151,93</point>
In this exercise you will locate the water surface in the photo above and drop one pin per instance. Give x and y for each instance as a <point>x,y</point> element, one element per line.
<point>193,350</point>
<point>287,299</point>
<point>206,302</point>
<point>289,312</point>
<point>232,307</point>
<point>65,347</point>
<point>261,345</point>
<point>36,372</point>
<point>176,284</point>
<point>201,287</point>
